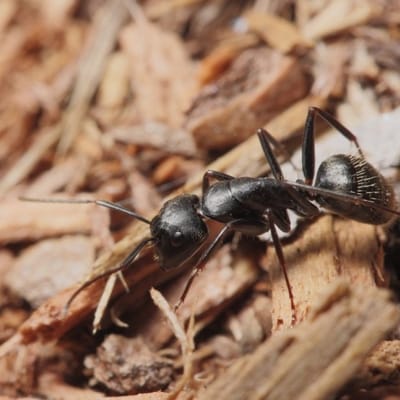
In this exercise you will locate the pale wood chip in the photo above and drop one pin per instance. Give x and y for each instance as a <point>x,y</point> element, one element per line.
<point>156,64</point>
<point>363,64</point>
<point>360,103</point>
<point>108,22</point>
<point>46,268</point>
<point>330,69</point>
<point>114,87</point>
<point>340,15</point>
<point>21,169</point>
<point>26,220</point>
<point>56,178</point>
<point>11,46</point>
<point>391,80</point>
<point>252,324</point>
<point>8,8</point>
<point>157,135</point>
<point>144,197</point>
<point>326,250</point>
<point>57,13</point>
<point>276,31</point>
<point>314,360</point>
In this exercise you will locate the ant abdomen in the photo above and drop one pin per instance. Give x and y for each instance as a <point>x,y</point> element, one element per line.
<point>355,176</point>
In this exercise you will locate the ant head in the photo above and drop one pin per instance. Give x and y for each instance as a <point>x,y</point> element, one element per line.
<point>178,231</point>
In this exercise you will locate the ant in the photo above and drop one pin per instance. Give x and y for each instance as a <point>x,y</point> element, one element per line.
<point>344,184</point>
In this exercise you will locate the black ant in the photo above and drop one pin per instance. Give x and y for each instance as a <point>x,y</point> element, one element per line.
<point>344,184</point>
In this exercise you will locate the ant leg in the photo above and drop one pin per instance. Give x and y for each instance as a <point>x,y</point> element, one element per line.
<point>308,151</point>
<point>199,264</point>
<point>124,265</point>
<point>265,137</point>
<point>211,174</point>
<point>281,258</point>
<point>259,226</point>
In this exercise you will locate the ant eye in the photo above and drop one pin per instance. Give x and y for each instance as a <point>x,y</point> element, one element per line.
<point>177,239</point>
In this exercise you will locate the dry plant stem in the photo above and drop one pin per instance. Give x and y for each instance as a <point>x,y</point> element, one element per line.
<point>109,20</point>
<point>315,359</point>
<point>329,248</point>
<point>186,340</point>
<point>104,301</point>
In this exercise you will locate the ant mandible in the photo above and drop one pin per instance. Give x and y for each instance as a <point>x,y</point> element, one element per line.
<point>344,184</point>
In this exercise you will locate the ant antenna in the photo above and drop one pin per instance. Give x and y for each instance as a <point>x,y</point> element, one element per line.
<point>113,206</point>
<point>124,264</point>
<point>103,203</point>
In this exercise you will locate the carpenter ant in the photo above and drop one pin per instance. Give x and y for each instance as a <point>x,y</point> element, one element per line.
<point>345,185</point>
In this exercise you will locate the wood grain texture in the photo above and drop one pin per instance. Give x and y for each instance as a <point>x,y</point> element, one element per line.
<point>315,359</point>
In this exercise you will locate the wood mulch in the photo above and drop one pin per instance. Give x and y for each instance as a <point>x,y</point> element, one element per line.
<point>132,102</point>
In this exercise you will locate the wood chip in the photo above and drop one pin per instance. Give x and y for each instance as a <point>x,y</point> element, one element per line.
<point>114,87</point>
<point>330,69</point>
<point>157,135</point>
<point>109,20</point>
<point>276,31</point>
<point>21,169</point>
<point>25,220</point>
<point>154,61</point>
<point>382,365</point>
<point>314,360</point>
<point>245,98</point>
<point>220,58</point>
<point>322,252</point>
<point>340,15</point>
<point>56,263</point>
<point>126,365</point>
<point>56,178</point>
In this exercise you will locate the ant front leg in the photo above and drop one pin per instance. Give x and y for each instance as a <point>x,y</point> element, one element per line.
<point>200,265</point>
<point>237,225</point>
<point>126,263</point>
<point>308,149</point>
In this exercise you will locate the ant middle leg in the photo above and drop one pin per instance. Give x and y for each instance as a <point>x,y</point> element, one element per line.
<point>282,263</point>
<point>308,148</point>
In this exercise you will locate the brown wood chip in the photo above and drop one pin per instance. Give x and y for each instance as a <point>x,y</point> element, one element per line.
<point>314,360</point>
<point>245,98</point>
<point>324,251</point>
